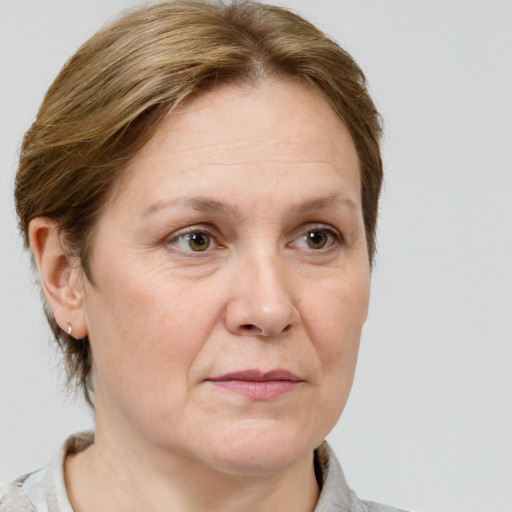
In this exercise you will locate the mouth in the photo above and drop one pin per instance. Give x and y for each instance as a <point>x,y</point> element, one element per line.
<point>258,385</point>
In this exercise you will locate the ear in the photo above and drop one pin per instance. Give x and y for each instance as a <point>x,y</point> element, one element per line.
<point>61,275</point>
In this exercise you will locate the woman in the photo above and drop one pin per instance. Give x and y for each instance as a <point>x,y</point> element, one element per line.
<point>199,192</point>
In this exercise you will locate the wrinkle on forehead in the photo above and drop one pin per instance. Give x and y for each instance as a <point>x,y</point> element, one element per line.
<point>233,126</point>
<point>237,124</point>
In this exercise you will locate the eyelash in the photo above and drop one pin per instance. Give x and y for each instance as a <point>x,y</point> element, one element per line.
<point>334,238</point>
<point>193,230</point>
<point>334,235</point>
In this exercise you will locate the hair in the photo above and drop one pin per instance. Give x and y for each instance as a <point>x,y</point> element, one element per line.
<point>112,95</point>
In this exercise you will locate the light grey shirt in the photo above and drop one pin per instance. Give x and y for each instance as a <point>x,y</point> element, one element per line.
<point>45,490</point>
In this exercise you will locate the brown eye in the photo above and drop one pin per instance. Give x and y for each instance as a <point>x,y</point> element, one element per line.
<point>316,239</point>
<point>196,241</point>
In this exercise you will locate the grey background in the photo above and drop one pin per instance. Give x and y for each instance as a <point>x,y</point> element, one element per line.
<point>429,424</point>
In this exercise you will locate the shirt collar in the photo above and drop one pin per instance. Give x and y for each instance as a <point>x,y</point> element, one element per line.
<point>335,494</point>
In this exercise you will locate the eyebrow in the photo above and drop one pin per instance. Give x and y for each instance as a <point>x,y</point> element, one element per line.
<point>199,203</point>
<point>209,205</point>
<point>324,202</point>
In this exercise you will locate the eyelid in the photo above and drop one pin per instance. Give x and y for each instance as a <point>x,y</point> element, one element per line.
<point>335,233</point>
<point>320,226</point>
<point>210,230</point>
<point>206,229</point>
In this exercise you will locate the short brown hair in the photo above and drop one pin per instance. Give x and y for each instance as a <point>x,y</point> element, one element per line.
<point>112,95</point>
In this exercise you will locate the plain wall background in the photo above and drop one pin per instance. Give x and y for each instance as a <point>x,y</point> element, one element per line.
<point>428,426</point>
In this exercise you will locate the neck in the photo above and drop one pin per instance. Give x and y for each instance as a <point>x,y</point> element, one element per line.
<point>108,476</point>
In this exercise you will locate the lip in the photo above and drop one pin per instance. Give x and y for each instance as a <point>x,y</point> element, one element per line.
<point>256,384</point>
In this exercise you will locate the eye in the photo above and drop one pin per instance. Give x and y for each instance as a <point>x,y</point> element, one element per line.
<point>196,241</point>
<point>317,239</point>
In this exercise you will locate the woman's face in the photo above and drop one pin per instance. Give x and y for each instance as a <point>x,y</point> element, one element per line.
<point>231,282</point>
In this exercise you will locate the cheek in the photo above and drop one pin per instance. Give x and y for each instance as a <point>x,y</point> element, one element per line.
<point>147,328</point>
<point>337,313</point>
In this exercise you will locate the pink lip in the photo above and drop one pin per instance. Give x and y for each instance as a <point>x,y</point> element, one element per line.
<point>258,385</point>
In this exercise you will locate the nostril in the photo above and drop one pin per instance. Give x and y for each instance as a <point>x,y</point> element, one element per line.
<point>254,329</point>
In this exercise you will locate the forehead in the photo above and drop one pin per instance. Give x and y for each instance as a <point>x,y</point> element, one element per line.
<point>273,127</point>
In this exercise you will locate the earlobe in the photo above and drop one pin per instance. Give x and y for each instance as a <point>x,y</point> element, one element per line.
<point>60,275</point>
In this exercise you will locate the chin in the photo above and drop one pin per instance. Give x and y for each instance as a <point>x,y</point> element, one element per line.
<point>261,448</point>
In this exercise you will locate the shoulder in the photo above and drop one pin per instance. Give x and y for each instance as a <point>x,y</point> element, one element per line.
<point>19,495</point>
<point>336,495</point>
<point>370,506</point>
<point>43,490</point>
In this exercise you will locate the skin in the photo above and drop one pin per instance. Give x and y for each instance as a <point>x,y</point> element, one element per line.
<point>252,173</point>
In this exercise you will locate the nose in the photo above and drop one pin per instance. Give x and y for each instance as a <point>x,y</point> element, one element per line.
<point>262,302</point>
